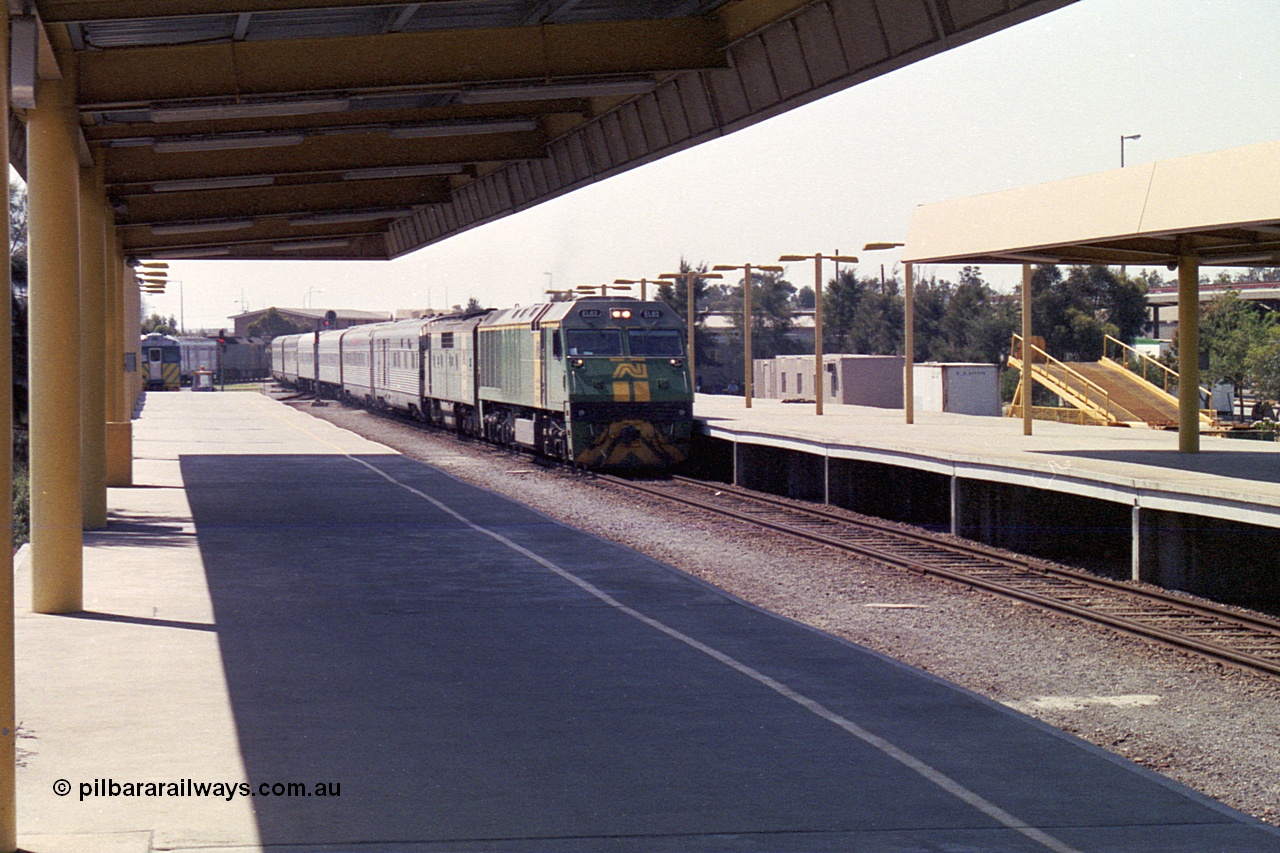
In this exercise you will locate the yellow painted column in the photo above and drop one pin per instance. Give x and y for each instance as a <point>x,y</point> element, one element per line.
<point>817,333</point>
<point>1026,349</point>
<point>1189,354</point>
<point>749,369</point>
<point>53,176</point>
<point>909,343</point>
<point>93,332</point>
<point>8,715</point>
<point>119,416</point>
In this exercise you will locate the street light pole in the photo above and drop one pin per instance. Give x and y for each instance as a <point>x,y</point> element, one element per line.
<point>643,282</point>
<point>817,314</point>
<point>691,316</point>
<point>1122,141</point>
<point>747,317</point>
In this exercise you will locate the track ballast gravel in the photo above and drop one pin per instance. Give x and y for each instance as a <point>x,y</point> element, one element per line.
<point>1211,727</point>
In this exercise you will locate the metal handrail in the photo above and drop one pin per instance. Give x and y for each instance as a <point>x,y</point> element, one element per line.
<point>1070,371</point>
<point>1142,357</point>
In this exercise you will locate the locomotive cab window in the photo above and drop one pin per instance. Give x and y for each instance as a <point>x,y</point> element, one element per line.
<point>659,343</point>
<point>601,342</point>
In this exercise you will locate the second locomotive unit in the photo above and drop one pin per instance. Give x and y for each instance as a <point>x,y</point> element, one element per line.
<point>602,382</point>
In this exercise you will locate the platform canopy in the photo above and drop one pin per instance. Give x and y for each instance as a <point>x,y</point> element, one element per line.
<point>368,128</point>
<point>1222,208</point>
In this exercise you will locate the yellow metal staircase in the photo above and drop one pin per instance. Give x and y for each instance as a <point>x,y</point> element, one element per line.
<point>1102,392</point>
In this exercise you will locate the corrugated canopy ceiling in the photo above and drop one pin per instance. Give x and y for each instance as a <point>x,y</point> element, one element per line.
<point>365,129</point>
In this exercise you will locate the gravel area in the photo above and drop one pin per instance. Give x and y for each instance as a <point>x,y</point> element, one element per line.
<point>1212,727</point>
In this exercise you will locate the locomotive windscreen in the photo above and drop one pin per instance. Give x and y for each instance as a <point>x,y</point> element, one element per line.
<point>602,342</point>
<point>660,343</point>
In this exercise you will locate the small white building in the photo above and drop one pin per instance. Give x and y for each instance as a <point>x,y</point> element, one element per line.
<point>858,380</point>
<point>959,388</point>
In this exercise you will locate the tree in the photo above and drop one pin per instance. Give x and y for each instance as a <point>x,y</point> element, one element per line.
<point>273,324</point>
<point>155,324</point>
<point>1230,329</point>
<point>771,299</point>
<point>1263,364</point>
<point>676,295</point>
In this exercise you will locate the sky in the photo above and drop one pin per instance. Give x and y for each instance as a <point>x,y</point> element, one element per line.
<point>1041,101</point>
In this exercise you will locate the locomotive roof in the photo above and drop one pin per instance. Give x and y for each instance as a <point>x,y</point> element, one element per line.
<point>561,312</point>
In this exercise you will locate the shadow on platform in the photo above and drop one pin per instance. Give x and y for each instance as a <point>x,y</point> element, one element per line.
<point>431,686</point>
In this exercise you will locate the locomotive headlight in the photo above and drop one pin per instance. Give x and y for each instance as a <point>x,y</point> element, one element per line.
<point>677,362</point>
<point>620,313</point>
<point>577,362</point>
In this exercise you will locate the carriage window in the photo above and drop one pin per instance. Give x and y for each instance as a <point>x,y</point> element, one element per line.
<point>661,343</point>
<point>594,341</point>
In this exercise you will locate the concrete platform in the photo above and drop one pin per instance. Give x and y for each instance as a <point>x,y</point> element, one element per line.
<point>1230,479</point>
<point>278,601</point>
<point>1207,523</point>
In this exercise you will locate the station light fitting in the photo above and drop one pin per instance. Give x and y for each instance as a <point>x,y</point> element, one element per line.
<point>468,128</point>
<point>266,109</point>
<point>206,252</point>
<point>353,216</point>
<point>404,171</point>
<point>307,245</point>
<point>228,142</point>
<point>228,183</point>
<point>202,227</point>
<point>557,91</point>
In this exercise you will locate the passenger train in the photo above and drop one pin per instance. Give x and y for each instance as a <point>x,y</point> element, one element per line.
<point>601,382</point>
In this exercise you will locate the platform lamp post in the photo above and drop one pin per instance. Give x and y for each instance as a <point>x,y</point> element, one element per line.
<point>643,282</point>
<point>817,313</point>
<point>908,331</point>
<point>691,316</point>
<point>747,317</point>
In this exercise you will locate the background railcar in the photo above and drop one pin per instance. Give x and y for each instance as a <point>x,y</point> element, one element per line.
<point>162,362</point>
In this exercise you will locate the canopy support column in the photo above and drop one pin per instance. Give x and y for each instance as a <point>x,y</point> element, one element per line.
<point>909,343</point>
<point>1188,354</point>
<point>8,712</point>
<point>93,331</point>
<point>1026,350</point>
<point>53,175</point>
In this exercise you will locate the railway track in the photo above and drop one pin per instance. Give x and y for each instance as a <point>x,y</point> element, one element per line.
<point>1246,640</point>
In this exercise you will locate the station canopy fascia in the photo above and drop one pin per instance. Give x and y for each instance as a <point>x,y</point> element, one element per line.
<point>1223,208</point>
<point>349,129</point>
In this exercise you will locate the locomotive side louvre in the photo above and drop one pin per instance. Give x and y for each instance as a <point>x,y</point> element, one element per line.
<point>450,376</point>
<point>510,381</point>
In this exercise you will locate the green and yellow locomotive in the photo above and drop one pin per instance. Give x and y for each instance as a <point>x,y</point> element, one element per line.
<point>600,381</point>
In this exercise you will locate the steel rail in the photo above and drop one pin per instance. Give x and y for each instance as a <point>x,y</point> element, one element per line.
<point>1261,628</point>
